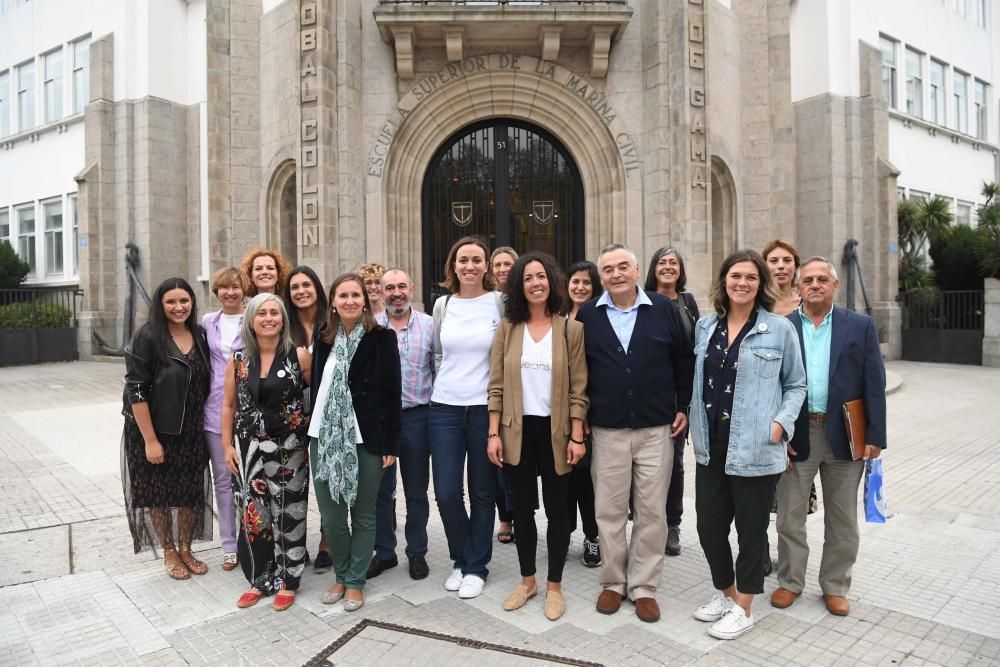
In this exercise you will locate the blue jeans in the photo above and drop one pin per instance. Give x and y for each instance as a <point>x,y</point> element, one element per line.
<point>458,433</point>
<point>415,464</point>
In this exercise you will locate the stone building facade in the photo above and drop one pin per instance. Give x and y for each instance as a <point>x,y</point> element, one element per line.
<point>343,131</point>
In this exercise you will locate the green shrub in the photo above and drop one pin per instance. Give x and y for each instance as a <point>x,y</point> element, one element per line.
<point>955,255</point>
<point>12,268</point>
<point>38,315</point>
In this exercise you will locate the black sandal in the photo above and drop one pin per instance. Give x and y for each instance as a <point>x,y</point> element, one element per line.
<point>505,537</point>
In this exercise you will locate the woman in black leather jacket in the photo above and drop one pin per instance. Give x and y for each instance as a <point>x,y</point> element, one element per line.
<point>164,458</point>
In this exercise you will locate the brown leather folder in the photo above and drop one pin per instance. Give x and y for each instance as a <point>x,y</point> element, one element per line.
<point>856,425</point>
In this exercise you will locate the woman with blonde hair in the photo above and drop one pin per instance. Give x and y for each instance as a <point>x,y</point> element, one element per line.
<point>263,424</point>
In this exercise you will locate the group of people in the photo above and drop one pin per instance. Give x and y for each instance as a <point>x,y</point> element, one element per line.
<point>587,380</point>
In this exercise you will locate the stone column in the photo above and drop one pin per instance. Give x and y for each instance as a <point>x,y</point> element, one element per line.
<point>991,323</point>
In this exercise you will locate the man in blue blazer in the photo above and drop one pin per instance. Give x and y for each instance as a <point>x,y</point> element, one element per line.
<point>843,363</point>
<point>639,376</point>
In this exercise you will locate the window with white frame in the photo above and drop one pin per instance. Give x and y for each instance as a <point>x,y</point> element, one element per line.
<point>52,87</point>
<point>959,96</point>
<point>53,212</point>
<point>914,83</point>
<point>980,117</point>
<point>980,13</point>
<point>76,233</point>
<point>81,73</point>
<point>888,70</point>
<point>26,95</point>
<point>4,103</point>
<point>918,196</point>
<point>937,92</point>
<point>963,213</point>
<point>4,226</point>
<point>26,234</point>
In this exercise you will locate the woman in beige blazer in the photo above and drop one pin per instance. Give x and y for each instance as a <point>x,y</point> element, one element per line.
<point>537,404</point>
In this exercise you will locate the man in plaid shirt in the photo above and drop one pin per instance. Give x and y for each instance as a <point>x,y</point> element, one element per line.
<point>415,337</point>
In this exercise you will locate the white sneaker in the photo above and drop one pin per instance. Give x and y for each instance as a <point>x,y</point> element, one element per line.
<point>733,623</point>
<point>454,580</point>
<point>472,586</point>
<point>715,608</point>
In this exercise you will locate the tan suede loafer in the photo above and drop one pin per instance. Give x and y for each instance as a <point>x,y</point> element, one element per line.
<point>518,597</point>
<point>555,605</point>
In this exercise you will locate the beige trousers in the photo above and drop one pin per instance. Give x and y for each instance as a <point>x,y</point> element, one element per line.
<point>840,480</point>
<point>640,460</point>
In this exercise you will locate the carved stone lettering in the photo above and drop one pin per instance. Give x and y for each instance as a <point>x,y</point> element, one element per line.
<point>307,15</point>
<point>696,32</point>
<point>696,57</point>
<point>308,67</point>
<point>698,97</point>
<point>310,234</point>
<point>309,132</point>
<point>310,208</point>
<point>698,148</point>
<point>309,156</point>
<point>309,186</point>
<point>309,39</point>
<point>698,123</point>
<point>698,178</point>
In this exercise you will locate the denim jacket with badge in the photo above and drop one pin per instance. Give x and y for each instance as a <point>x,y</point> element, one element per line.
<point>770,387</point>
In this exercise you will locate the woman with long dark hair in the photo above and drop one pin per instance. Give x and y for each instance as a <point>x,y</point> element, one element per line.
<point>164,458</point>
<point>465,321</point>
<point>748,388</point>
<point>584,284</point>
<point>263,424</point>
<point>667,277</point>
<point>307,304</point>
<point>537,391</point>
<point>354,430</point>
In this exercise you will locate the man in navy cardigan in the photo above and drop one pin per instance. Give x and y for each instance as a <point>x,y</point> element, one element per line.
<point>843,363</point>
<point>640,370</point>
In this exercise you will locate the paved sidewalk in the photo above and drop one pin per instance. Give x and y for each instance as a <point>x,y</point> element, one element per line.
<point>71,592</point>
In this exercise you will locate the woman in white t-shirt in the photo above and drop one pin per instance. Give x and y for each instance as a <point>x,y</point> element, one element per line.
<point>229,285</point>
<point>464,324</point>
<point>537,406</point>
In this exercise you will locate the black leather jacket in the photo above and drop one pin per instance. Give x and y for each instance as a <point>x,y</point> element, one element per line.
<point>163,386</point>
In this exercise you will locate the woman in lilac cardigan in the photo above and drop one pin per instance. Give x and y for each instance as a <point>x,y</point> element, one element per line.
<point>223,328</point>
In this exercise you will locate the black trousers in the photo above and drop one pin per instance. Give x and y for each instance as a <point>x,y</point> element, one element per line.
<point>675,492</point>
<point>537,460</point>
<point>581,494</point>
<point>721,499</point>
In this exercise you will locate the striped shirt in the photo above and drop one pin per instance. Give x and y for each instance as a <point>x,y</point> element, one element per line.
<point>416,356</point>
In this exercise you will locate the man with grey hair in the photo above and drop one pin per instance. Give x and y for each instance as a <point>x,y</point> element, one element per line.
<point>843,362</point>
<point>640,372</point>
<point>415,337</point>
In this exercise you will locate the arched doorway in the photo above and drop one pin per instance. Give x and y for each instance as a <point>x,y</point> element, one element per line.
<point>282,212</point>
<point>724,237</point>
<point>512,183</point>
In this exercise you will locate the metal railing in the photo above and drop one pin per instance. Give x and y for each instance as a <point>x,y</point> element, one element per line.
<point>952,310</point>
<point>39,307</point>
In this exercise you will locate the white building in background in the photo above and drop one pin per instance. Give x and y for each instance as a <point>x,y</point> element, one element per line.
<point>44,88</point>
<point>940,77</point>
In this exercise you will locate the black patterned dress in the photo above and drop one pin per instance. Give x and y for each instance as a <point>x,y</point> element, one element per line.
<point>271,488</point>
<point>182,481</point>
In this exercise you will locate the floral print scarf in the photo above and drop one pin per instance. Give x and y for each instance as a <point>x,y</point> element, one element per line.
<point>338,449</point>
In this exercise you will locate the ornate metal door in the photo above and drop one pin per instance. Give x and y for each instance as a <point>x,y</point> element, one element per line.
<point>510,182</point>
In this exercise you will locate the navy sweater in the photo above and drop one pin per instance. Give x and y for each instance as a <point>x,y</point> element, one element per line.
<point>646,385</point>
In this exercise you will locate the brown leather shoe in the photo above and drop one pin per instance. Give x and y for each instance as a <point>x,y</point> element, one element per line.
<point>837,605</point>
<point>609,601</point>
<point>782,598</point>
<point>647,610</point>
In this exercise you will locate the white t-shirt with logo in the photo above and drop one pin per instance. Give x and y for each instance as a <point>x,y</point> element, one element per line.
<point>466,339</point>
<point>536,375</point>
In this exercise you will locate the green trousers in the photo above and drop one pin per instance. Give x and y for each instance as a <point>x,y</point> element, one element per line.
<point>350,546</point>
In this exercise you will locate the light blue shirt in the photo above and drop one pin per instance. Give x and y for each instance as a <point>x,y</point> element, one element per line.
<point>623,321</point>
<point>816,342</point>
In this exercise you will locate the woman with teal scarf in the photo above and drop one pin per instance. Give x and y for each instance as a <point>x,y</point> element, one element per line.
<point>354,432</point>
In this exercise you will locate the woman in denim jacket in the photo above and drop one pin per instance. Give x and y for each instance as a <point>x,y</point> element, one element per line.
<point>749,385</point>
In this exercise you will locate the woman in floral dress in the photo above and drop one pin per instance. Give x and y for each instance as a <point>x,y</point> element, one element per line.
<point>264,437</point>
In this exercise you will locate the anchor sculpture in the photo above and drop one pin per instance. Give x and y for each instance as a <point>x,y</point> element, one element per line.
<point>131,264</point>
